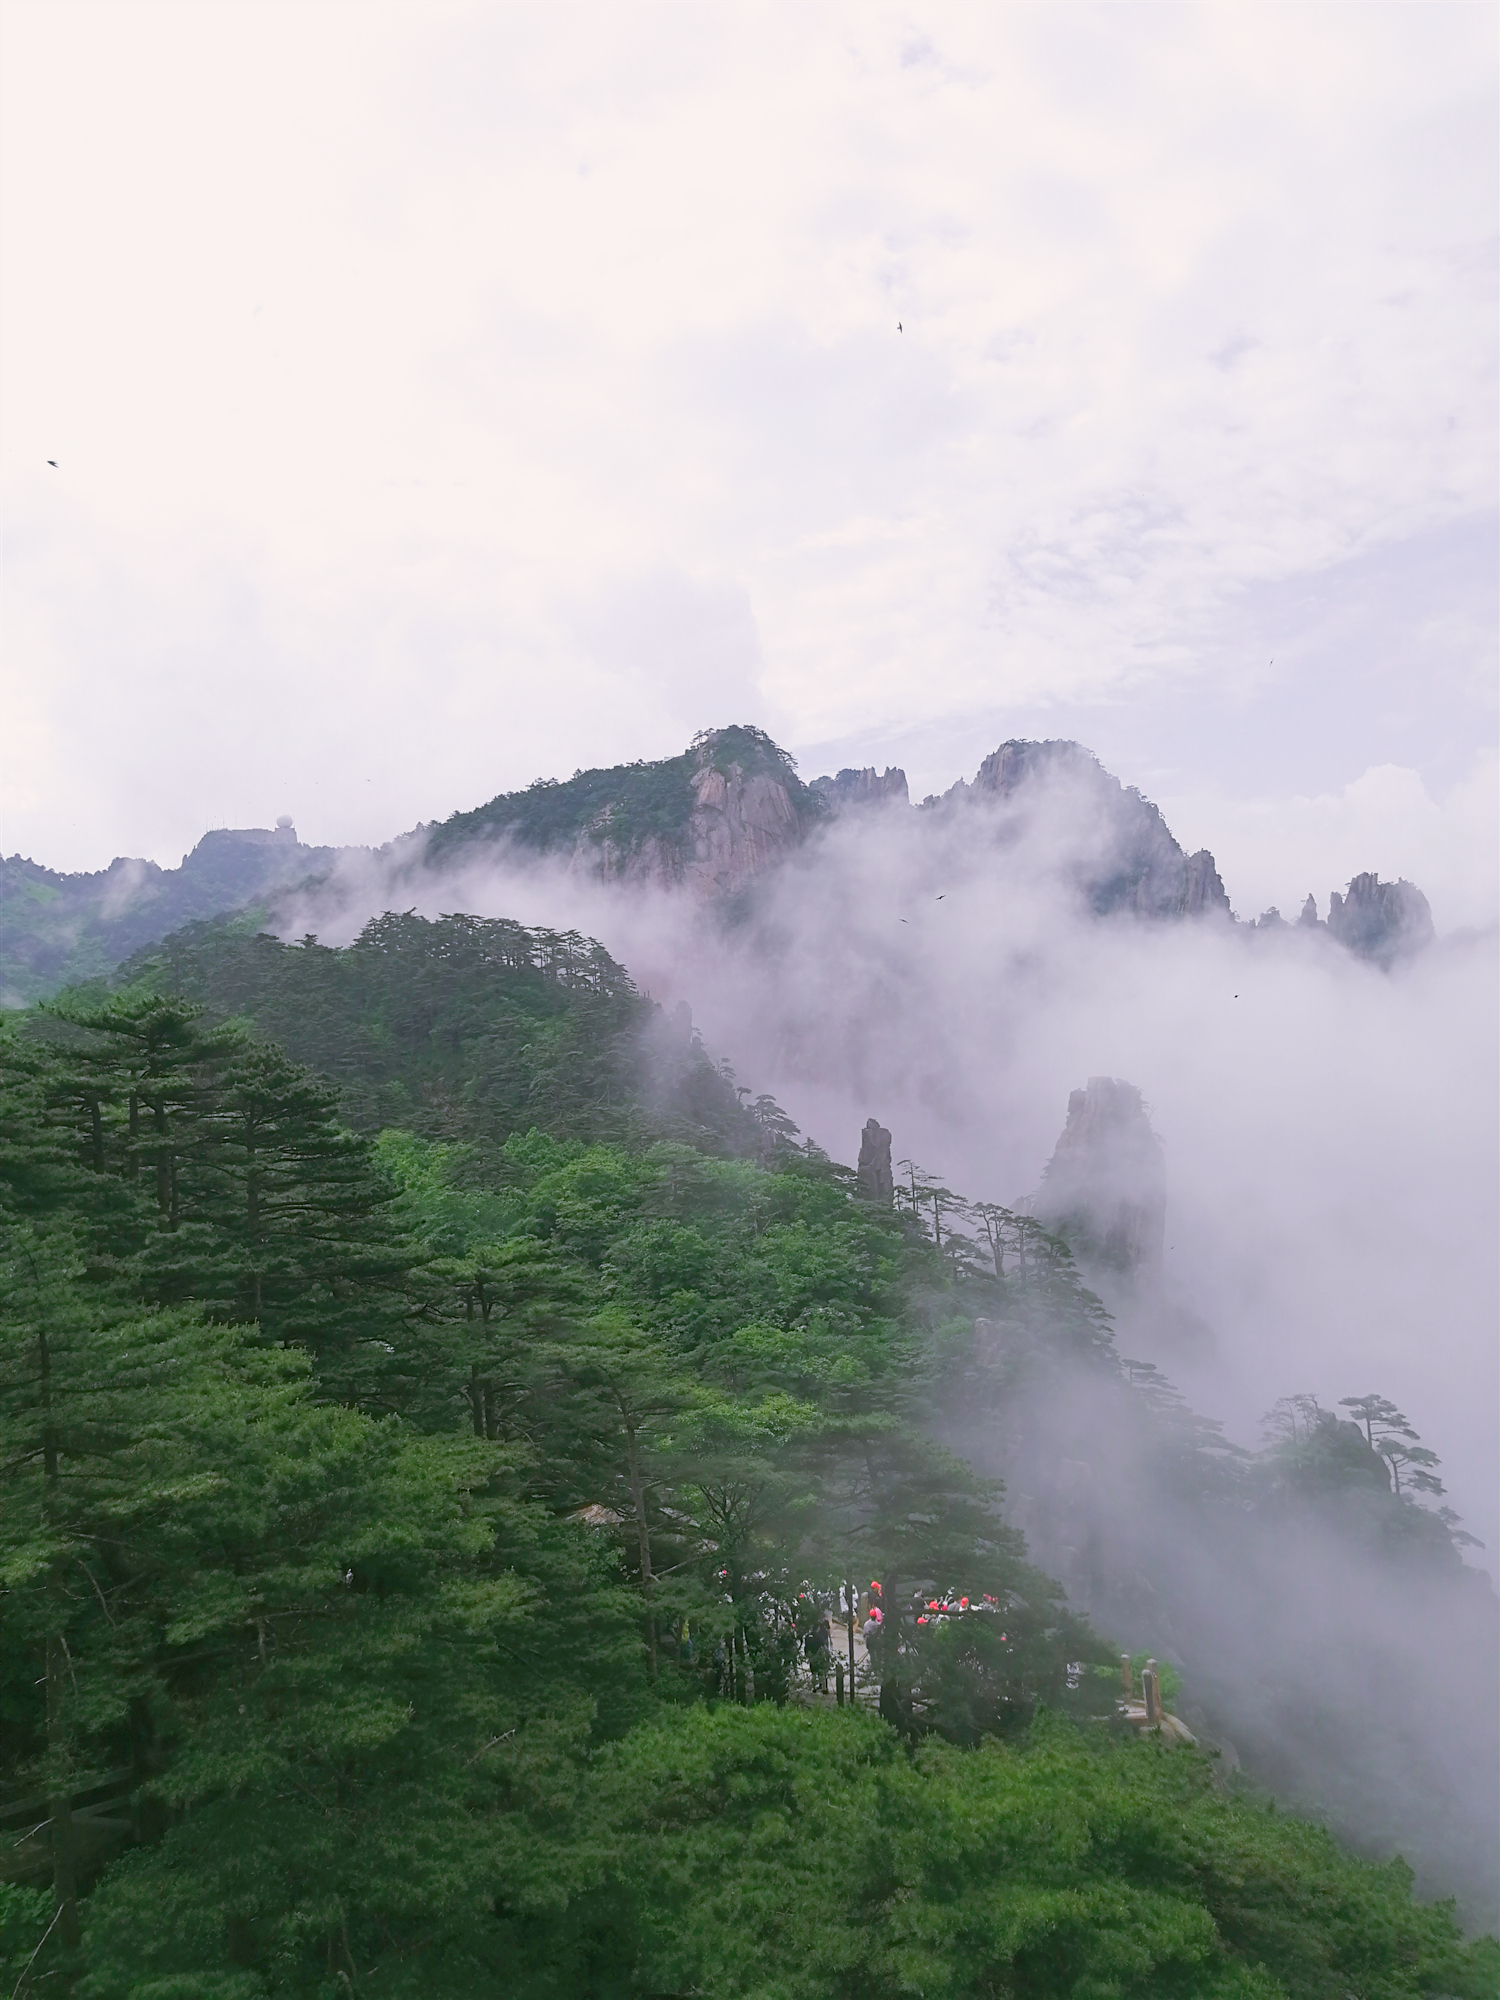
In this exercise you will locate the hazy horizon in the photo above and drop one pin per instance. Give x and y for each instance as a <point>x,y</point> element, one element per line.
<point>445,396</point>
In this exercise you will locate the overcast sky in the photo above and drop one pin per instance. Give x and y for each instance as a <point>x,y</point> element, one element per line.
<point>446,395</point>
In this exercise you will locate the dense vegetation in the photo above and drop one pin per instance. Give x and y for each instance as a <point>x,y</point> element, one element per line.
<point>470,1028</point>
<point>420,1481</point>
<point>625,805</point>
<point>57,929</point>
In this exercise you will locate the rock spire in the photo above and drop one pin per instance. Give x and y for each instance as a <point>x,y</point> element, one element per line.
<point>868,787</point>
<point>1105,1187</point>
<point>876,1181</point>
<point>1379,920</point>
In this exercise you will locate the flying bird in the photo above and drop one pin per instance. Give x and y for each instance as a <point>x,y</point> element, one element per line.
<point>52,462</point>
<point>900,920</point>
<point>940,898</point>
<point>898,326</point>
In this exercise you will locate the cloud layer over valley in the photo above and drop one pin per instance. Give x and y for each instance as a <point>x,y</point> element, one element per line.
<point>398,400</point>
<point>1329,1132</point>
<point>1331,1184</point>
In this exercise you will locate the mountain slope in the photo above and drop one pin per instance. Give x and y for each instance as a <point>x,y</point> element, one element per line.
<point>57,929</point>
<point>708,820</point>
<point>467,1030</point>
<point>1127,857</point>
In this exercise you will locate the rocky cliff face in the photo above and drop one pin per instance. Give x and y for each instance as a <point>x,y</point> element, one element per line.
<point>715,819</point>
<point>1104,1191</point>
<point>1384,922</point>
<point>708,821</point>
<point>739,823</point>
<point>1123,857</point>
<point>864,788</point>
<point>1379,920</point>
<point>1105,1188</point>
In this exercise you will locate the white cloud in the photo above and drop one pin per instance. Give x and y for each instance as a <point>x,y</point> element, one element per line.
<point>1277,851</point>
<point>384,349</point>
<point>1329,1127</point>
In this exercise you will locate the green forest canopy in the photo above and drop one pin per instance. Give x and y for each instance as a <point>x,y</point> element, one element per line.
<point>625,804</point>
<point>420,1470</point>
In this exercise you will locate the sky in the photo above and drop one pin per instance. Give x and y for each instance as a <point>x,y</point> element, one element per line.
<point>448,395</point>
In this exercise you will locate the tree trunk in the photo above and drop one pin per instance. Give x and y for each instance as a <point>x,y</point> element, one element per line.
<point>893,1705</point>
<point>643,1535</point>
<point>59,1807</point>
<point>163,1166</point>
<point>61,1830</point>
<point>252,1213</point>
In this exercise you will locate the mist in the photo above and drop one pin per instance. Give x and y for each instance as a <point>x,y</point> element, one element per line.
<point>1332,1180</point>
<point>1328,1126</point>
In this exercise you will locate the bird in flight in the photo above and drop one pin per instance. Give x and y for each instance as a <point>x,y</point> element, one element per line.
<point>898,326</point>
<point>52,462</point>
<point>900,920</point>
<point>940,898</point>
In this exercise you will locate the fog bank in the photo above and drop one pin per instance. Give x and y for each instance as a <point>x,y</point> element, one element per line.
<point>1329,1127</point>
<point>1332,1181</point>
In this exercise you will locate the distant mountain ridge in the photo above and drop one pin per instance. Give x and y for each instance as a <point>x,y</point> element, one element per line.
<point>709,822</point>
<point>732,805</point>
<point>56,929</point>
<point>1144,868</point>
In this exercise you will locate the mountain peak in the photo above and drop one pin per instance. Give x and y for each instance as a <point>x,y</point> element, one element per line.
<point>864,788</point>
<point>1124,857</point>
<point>706,820</point>
<point>710,821</point>
<point>1104,1189</point>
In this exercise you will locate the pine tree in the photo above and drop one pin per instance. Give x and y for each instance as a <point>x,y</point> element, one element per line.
<point>251,1198</point>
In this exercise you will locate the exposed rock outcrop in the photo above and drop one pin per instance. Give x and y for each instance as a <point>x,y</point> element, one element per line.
<point>1120,851</point>
<point>1382,921</point>
<point>864,788</point>
<point>740,822</point>
<point>1105,1188</point>
<point>708,821</point>
<point>876,1181</point>
<point>1202,890</point>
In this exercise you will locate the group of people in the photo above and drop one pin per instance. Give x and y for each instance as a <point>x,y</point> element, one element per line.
<point>817,1640</point>
<point>817,1644</point>
<point>869,1616</point>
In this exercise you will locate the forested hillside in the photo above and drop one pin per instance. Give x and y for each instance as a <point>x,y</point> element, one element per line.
<point>436,1415</point>
<point>57,929</point>
<point>626,806</point>
<point>469,1028</point>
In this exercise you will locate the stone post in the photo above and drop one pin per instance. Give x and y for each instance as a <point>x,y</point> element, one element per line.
<point>1151,1689</point>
